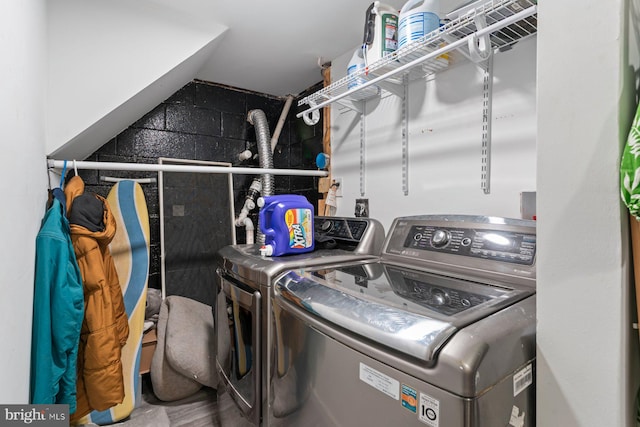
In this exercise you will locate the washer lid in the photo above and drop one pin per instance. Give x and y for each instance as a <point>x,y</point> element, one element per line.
<point>411,311</point>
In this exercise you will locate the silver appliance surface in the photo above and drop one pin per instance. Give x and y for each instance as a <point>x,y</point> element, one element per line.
<point>338,239</point>
<point>435,327</point>
<point>439,331</point>
<point>411,311</point>
<point>245,337</point>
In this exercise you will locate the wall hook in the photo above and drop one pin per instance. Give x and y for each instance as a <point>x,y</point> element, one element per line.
<point>313,117</point>
<point>479,46</point>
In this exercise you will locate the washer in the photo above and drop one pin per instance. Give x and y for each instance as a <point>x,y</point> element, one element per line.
<point>245,322</point>
<point>439,331</point>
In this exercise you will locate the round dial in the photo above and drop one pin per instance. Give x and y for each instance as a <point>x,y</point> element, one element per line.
<point>440,238</point>
<point>326,225</point>
<point>440,297</point>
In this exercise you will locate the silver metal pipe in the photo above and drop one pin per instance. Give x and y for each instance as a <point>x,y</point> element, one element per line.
<point>259,121</point>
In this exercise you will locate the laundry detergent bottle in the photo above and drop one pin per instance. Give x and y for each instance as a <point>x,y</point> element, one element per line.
<point>417,18</point>
<point>286,220</point>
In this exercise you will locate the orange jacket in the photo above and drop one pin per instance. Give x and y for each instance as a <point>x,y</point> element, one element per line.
<point>105,326</point>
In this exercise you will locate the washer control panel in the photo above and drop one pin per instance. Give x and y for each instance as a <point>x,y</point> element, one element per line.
<point>494,244</point>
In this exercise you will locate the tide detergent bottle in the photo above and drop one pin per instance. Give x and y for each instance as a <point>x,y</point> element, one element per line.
<point>286,220</point>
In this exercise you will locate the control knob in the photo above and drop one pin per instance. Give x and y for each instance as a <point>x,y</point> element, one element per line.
<point>326,225</point>
<point>440,297</point>
<point>440,238</point>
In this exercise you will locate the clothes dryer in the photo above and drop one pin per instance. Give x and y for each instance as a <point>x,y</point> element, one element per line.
<point>246,317</point>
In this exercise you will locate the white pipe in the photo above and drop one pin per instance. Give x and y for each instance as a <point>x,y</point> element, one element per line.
<point>145,167</point>
<point>248,224</point>
<point>138,180</point>
<point>249,205</point>
<point>163,273</point>
<point>245,155</point>
<point>281,120</point>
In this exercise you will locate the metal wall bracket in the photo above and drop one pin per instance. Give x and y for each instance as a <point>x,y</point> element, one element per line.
<point>487,103</point>
<point>362,153</point>
<point>405,136</point>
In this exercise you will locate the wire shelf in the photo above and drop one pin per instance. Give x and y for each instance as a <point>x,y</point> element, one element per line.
<point>433,52</point>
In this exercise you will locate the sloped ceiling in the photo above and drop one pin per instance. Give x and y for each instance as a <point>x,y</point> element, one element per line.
<point>276,47</point>
<point>112,61</point>
<point>109,62</point>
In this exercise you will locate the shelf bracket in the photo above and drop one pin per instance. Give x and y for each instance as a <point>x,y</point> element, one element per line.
<point>405,135</point>
<point>357,107</point>
<point>479,46</point>
<point>396,89</point>
<point>487,103</point>
<point>362,153</point>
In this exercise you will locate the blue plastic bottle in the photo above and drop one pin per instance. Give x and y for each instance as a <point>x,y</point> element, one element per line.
<point>286,220</point>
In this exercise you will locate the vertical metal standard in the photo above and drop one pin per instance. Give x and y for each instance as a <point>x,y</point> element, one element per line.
<point>405,135</point>
<point>487,101</point>
<point>362,151</point>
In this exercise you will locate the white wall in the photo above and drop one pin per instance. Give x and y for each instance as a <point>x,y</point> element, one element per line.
<point>112,62</point>
<point>569,152</point>
<point>445,142</point>
<point>23,184</point>
<point>585,342</point>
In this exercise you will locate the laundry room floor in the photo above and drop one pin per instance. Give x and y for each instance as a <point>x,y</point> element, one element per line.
<point>198,410</point>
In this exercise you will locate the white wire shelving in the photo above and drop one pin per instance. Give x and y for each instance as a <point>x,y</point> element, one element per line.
<point>500,22</point>
<point>474,34</point>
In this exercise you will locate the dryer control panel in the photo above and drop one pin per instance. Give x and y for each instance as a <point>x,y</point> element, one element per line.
<point>341,228</point>
<point>348,233</point>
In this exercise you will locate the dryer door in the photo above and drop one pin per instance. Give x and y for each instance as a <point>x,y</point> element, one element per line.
<point>238,345</point>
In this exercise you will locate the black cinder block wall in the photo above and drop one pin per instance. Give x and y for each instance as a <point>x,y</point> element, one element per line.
<point>206,121</point>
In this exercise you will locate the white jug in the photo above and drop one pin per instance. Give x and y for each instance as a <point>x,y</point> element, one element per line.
<point>417,18</point>
<point>357,65</point>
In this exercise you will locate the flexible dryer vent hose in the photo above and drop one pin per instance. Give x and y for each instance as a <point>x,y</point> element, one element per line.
<point>258,119</point>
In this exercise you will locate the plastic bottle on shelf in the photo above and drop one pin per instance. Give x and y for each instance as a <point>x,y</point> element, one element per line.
<point>380,32</point>
<point>417,18</point>
<point>357,65</point>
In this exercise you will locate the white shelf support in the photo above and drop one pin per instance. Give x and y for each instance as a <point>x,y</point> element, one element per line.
<point>479,46</point>
<point>487,119</point>
<point>396,89</point>
<point>405,137</point>
<point>362,154</point>
<point>355,106</point>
